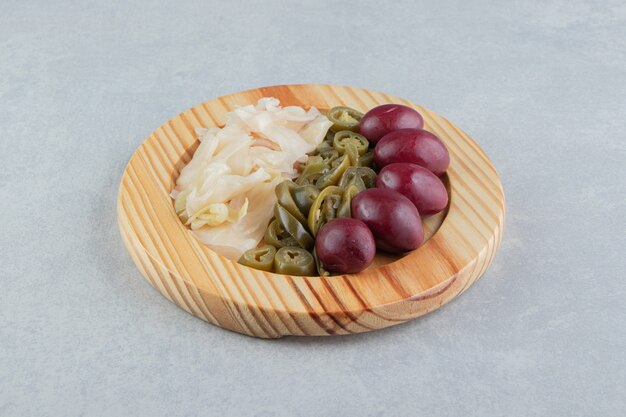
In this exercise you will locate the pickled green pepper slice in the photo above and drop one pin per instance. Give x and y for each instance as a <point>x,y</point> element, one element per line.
<point>367,159</point>
<point>328,156</point>
<point>277,236</point>
<point>309,179</point>
<point>324,208</point>
<point>344,118</point>
<point>304,195</point>
<point>330,135</point>
<point>333,176</point>
<point>330,207</point>
<point>345,137</point>
<point>352,175</point>
<point>314,164</point>
<point>294,261</point>
<point>320,266</point>
<point>368,175</point>
<point>353,154</point>
<point>284,194</point>
<point>296,229</point>
<point>259,258</point>
<point>346,199</point>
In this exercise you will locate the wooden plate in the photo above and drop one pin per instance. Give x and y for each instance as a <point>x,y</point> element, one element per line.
<point>462,241</point>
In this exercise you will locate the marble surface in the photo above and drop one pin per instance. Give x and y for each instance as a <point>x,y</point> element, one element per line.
<point>540,85</point>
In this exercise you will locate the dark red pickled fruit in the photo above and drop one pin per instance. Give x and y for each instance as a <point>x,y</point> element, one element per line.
<point>425,190</point>
<point>392,218</point>
<point>381,120</point>
<point>415,146</point>
<point>345,246</point>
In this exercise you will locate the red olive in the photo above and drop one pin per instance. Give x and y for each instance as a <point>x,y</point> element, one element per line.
<point>381,120</point>
<point>345,246</point>
<point>392,218</point>
<point>416,146</point>
<point>418,184</point>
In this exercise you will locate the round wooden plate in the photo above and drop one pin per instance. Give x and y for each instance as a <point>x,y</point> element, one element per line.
<point>462,242</point>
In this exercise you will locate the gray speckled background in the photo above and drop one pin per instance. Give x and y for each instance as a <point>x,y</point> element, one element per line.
<point>540,85</point>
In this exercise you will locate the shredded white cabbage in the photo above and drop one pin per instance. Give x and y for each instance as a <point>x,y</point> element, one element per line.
<point>226,192</point>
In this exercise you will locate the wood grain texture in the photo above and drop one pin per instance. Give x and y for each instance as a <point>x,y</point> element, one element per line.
<point>461,244</point>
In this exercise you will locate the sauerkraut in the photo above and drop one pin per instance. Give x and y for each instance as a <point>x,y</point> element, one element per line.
<point>225,194</point>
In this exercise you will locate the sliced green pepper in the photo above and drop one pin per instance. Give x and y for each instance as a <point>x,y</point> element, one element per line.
<point>329,155</point>
<point>315,167</point>
<point>346,199</point>
<point>304,195</point>
<point>367,159</point>
<point>365,174</point>
<point>333,176</point>
<point>276,235</point>
<point>360,176</point>
<point>294,261</point>
<point>296,229</point>
<point>284,194</point>
<point>309,179</point>
<point>320,267</point>
<point>368,175</point>
<point>344,118</point>
<point>345,137</point>
<point>314,164</point>
<point>330,208</point>
<point>352,176</point>
<point>324,207</point>
<point>353,154</point>
<point>259,258</point>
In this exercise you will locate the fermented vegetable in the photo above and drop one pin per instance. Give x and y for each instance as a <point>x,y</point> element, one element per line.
<point>364,175</point>
<point>324,208</point>
<point>304,196</point>
<point>345,137</point>
<point>276,235</point>
<point>349,192</point>
<point>333,176</point>
<point>259,258</point>
<point>226,192</point>
<point>294,261</point>
<point>284,194</point>
<point>367,159</point>
<point>293,227</point>
<point>344,118</point>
